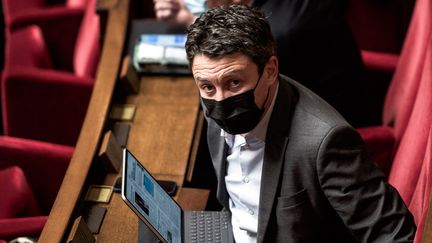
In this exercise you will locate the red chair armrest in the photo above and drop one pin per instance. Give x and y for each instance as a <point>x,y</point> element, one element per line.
<point>380,60</point>
<point>380,142</point>
<point>44,165</point>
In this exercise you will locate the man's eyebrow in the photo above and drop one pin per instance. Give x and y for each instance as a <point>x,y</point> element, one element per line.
<point>228,75</point>
<point>233,72</point>
<point>199,79</point>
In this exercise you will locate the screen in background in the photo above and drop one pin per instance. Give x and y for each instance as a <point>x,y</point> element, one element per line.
<point>164,40</point>
<point>160,49</point>
<point>152,201</point>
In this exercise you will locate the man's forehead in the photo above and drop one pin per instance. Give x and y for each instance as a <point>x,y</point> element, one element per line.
<point>202,60</point>
<point>204,66</point>
<point>235,55</point>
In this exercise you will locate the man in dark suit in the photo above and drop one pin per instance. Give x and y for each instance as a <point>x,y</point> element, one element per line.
<point>289,167</point>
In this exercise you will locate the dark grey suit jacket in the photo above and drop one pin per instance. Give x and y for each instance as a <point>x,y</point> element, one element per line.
<point>318,184</point>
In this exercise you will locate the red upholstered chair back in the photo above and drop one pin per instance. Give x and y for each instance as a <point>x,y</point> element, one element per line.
<point>412,89</point>
<point>14,8</point>
<point>58,47</point>
<point>378,25</point>
<point>409,156</point>
<point>17,196</point>
<point>27,47</point>
<point>87,48</point>
<point>401,94</point>
<point>49,73</point>
<point>44,105</point>
<point>411,172</point>
<point>44,166</point>
<point>75,50</point>
<point>420,200</point>
<point>31,173</point>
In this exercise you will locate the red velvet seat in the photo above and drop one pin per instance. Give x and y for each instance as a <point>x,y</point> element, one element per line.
<point>17,196</point>
<point>57,47</point>
<point>19,52</point>
<point>31,173</point>
<point>44,105</point>
<point>48,77</point>
<point>403,89</point>
<point>14,10</point>
<point>76,49</point>
<point>379,26</point>
<point>18,208</point>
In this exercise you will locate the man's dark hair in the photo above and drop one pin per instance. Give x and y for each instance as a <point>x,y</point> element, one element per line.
<point>230,29</point>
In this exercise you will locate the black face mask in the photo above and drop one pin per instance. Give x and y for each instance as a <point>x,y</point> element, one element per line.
<point>236,114</point>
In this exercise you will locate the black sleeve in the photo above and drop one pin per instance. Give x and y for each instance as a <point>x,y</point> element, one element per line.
<point>371,208</point>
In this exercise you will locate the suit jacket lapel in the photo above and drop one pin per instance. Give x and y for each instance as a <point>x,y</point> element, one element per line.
<point>276,142</point>
<point>218,152</point>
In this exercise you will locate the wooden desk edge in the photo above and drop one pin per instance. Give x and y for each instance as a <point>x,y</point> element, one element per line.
<point>67,198</point>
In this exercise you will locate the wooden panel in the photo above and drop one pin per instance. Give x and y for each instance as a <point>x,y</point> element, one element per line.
<point>162,132</point>
<point>120,223</point>
<point>91,131</point>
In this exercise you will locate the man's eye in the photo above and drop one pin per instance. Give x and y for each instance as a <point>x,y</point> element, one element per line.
<point>235,83</point>
<point>207,88</point>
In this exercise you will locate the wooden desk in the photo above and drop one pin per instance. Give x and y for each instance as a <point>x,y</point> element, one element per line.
<point>164,125</point>
<point>121,224</point>
<point>161,136</point>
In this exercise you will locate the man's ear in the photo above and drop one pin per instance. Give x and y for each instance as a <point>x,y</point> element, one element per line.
<point>271,70</point>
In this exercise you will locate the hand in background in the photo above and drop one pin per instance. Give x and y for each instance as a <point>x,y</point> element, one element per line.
<point>173,11</point>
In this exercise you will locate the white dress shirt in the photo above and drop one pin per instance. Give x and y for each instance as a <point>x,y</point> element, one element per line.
<point>243,178</point>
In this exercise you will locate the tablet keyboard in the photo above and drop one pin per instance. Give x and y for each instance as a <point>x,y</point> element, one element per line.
<point>208,226</point>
